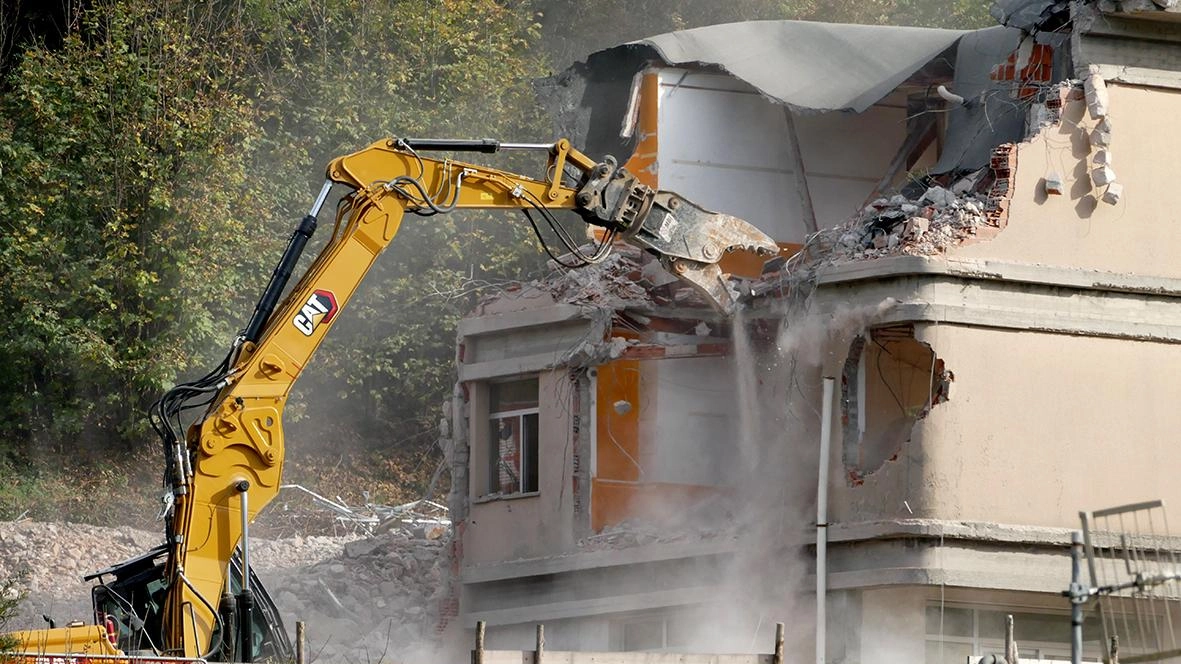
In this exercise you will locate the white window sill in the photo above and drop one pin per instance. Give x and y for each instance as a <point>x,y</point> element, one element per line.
<point>494,497</point>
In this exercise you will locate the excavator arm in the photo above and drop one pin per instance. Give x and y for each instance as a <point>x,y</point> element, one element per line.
<point>229,464</point>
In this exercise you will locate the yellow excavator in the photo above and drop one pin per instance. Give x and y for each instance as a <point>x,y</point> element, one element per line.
<point>195,597</point>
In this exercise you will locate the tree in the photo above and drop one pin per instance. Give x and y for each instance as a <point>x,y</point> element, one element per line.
<point>342,74</point>
<point>126,196</point>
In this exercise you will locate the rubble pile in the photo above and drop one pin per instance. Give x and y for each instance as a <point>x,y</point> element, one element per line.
<point>640,532</point>
<point>51,558</point>
<point>379,599</point>
<point>627,278</point>
<point>922,227</point>
<point>359,597</point>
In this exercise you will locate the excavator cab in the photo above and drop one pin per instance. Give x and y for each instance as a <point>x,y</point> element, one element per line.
<point>129,601</point>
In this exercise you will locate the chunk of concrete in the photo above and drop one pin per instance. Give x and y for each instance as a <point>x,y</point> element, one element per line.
<point>939,196</point>
<point>915,228</point>
<point>1101,135</point>
<point>1102,158</point>
<point>1096,92</point>
<point>1053,184</point>
<point>1115,191</point>
<point>1103,175</point>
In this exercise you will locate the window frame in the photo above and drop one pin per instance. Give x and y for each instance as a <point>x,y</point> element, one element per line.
<point>528,449</point>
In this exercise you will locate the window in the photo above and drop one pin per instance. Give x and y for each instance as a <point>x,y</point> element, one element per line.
<point>956,633</point>
<point>653,632</point>
<point>512,431</point>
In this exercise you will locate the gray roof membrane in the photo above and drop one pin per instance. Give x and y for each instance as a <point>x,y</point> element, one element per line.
<point>808,66</point>
<point>825,67</point>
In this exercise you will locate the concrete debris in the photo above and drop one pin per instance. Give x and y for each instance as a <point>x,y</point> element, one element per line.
<point>1115,191</point>
<point>1101,135</point>
<point>53,557</point>
<point>370,599</point>
<point>1103,175</point>
<point>924,227</point>
<point>1102,158</point>
<point>626,279</point>
<point>643,532</point>
<point>379,599</point>
<point>1095,89</point>
<point>1053,184</point>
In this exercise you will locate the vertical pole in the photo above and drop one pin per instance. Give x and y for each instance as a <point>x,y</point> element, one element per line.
<point>1010,643</point>
<point>778,658</point>
<point>1077,597</point>
<point>540,644</point>
<point>478,653</point>
<point>246,598</point>
<point>301,641</point>
<point>1115,649</point>
<point>797,160</point>
<point>822,519</point>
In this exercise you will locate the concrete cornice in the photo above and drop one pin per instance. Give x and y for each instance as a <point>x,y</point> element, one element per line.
<point>976,531</point>
<point>995,294</point>
<point>573,562</point>
<point>1025,273</point>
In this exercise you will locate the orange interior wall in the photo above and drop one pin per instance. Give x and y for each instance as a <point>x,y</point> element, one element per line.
<point>643,160</point>
<point>618,435</point>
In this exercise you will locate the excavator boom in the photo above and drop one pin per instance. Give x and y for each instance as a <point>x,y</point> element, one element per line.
<point>228,464</point>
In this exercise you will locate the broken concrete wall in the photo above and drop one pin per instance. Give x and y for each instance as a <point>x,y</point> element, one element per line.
<point>1139,233</point>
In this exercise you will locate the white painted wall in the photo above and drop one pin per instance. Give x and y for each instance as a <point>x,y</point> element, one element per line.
<point>686,420</point>
<point>725,147</point>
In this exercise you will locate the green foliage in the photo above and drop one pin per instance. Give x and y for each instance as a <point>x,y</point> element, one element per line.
<point>126,191</point>
<point>345,73</point>
<point>12,593</point>
<point>155,162</point>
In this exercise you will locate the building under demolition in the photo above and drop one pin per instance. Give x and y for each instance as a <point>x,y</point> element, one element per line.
<point>978,235</point>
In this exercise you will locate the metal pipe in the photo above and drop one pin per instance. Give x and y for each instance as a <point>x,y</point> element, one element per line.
<point>1077,597</point>
<point>543,147</point>
<point>822,519</point>
<point>323,196</point>
<point>281,275</point>
<point>243,488</point>
<point>245,599</point>
<point>478,653</point>
<point>301,642</point>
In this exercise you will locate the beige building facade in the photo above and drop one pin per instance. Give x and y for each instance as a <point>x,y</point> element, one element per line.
<point>979,249</point>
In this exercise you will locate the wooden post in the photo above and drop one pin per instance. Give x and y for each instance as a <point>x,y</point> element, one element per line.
<point>540,643</point>
<point>778,658</point>
<point>301,641</point>
<point>478,653</point>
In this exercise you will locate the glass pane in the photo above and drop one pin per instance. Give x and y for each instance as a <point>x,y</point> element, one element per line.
<point>956,622</point>
<point>947,653</point>
<point>1043,627</point>
<point>505,456</point>
<point>529,453</point>
<point>513,395</point>
<point>643,635</point>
